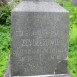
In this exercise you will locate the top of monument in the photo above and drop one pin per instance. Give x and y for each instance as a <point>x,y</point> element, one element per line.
<point>30,6</point>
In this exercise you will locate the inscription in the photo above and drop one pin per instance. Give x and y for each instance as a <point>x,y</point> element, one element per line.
<point>19,33</point>
<point>40,42</point>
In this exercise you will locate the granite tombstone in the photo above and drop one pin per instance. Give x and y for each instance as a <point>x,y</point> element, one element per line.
<point>39,39</point>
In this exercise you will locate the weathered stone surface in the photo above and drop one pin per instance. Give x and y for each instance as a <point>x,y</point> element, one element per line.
<point>39,38</point>
<point>8,74</point>
<point>61,67</point>
<point>54,75</point>
<point>74,2</point>
<point>30,6</point>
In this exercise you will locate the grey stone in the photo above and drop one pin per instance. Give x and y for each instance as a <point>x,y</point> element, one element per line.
<point>61,67</point>
<point>8,74</point>
<point>30,6</point>
<point>39,38</point>
<point>74,2</point>
<point>57,75</point>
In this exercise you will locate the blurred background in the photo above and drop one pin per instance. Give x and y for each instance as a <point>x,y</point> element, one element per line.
<point>5,21</point>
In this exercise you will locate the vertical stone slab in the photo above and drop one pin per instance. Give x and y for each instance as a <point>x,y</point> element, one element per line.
<point>39,39</point>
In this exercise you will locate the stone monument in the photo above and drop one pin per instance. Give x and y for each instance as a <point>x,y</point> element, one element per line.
<point>39,39</point>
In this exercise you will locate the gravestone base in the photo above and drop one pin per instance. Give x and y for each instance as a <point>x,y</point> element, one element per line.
<point>58,75</point>
<point>8,74</point>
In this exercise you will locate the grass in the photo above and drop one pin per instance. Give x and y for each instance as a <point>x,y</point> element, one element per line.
<point>72,63</point>
<point>72,56</point>
<point>4,47</point>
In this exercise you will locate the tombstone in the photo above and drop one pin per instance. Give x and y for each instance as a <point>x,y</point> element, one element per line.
<point>39,39</point>
<point>74,2</point>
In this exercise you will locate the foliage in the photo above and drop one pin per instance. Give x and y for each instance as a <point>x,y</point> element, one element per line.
<point>73,26</point>
<point>73,17</point>
<point>64,2</point>
<point>16,0</point>
<point>5,14</point>
<point>72,58</point>
<point>4,47</point>
<point>73,38</point>
<point>72,62</point>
